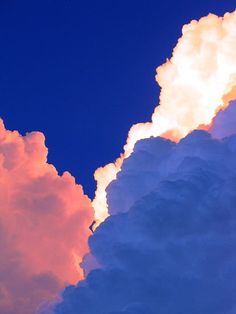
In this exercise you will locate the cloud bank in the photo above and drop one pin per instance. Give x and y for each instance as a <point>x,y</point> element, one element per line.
<point>169,245</point>
<point>43,225</point>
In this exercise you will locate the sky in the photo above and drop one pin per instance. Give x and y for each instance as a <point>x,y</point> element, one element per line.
<point>82,72</point>
<point>84,75</point>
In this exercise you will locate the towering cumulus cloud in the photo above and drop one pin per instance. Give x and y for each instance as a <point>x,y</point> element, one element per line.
<point>43,225</point>
<point>169,243</point>
<point>196,82</point>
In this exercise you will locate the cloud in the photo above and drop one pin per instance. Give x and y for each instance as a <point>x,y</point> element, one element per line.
<point>196,82</point>
<point>169,245</point>
<point>224,123</point>
<point>158,158</point>
<point>43,225</point>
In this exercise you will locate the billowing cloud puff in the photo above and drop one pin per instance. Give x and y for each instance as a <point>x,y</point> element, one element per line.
<point>144,169</point>
<point>43,225</point>
<point>169,245</point>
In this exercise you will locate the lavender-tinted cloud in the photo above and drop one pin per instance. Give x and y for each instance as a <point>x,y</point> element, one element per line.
<point>224,123</point>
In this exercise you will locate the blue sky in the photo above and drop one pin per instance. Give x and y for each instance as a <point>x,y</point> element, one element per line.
<point>82,72</point>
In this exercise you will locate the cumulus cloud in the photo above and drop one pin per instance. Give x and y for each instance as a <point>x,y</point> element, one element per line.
<point>196,82</point>
<point>154,160</point>
<point>169,245</point>
<point>43,225</point>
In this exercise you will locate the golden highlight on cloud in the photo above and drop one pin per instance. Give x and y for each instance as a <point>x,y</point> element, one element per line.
<point>198,81</point>
<point>43,225</point>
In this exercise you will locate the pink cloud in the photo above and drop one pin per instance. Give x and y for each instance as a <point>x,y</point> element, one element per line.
<point>43,224</point>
